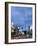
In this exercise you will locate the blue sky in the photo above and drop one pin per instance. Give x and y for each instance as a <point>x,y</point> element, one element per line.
<point>21,16</point>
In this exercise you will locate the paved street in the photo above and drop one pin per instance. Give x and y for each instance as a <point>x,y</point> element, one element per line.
<point>21,37</point>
